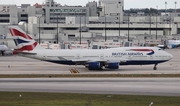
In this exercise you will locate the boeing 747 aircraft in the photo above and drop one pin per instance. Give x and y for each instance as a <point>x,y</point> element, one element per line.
<point>112,58</point>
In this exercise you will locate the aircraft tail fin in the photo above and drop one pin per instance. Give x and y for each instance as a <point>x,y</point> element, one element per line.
<point>22,40</point>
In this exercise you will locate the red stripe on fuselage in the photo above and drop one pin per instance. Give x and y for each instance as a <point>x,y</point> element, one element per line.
<point>142,50</point>
<point>15,32</point>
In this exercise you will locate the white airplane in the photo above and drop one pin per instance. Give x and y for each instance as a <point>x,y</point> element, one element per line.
<point>173,43</point>
<point>3,48</point>
<point>91,59</point>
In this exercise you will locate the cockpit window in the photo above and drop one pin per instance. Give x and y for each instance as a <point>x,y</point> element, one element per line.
<point>159,49</point>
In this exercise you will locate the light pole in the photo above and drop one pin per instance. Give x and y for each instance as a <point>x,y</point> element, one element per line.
<point>85,16</point>
<point>39,17</point>
<point>150,22</point>
<point>119,24</point>
<point>165,10</point>
<point>165,6</point>
<point>105,23</point>
<point>166,18</point>
<point>119,29</point>
<point>156,21</point>
<point>57,28</point>
<point>170,25</point>
<point>128,26</point>
<point>80,29</point>
<point>175,7</point>
<point>105,29</point>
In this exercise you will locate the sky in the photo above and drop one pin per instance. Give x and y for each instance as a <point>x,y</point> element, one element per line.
<point>128,3</point>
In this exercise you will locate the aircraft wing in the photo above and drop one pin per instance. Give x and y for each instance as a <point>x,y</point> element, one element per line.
<point>84,61</point>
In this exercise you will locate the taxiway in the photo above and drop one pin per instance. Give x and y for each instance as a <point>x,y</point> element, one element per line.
<point>133,86</point>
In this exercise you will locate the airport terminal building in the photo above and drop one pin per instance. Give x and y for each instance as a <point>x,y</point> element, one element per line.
<point>102,20</point>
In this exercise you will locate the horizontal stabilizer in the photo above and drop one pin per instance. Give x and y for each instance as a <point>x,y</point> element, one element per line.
<point>27,53</point>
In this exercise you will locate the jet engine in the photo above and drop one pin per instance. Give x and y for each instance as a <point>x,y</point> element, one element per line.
<point>93,65</point>
<point>114,65</point>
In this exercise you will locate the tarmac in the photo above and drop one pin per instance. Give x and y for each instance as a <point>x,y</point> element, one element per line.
<point>130,86</point>
<point>22,65</point>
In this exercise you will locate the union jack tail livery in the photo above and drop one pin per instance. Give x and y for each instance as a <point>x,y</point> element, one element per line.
<point>22,40</point>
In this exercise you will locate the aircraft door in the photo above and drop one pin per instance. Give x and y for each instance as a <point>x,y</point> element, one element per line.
<point>102,56</point>
<point>78,56</point>
<point>44,57</point>
<point>151,58</point>
<point>130,57</point>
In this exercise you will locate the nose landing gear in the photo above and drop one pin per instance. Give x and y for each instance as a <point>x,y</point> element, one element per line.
<point>155,67</point>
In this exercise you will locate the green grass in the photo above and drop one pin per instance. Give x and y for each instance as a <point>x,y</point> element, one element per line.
<point>63,99</point>
<point>86,75</point>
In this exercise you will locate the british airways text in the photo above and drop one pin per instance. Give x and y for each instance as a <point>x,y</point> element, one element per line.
<point>123,54</point>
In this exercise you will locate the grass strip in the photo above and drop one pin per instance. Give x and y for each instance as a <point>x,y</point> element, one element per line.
<point>67,99</point>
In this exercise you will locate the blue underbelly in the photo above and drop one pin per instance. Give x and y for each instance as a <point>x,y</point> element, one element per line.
<point>134,62</point>
<point>69,62</point>
<point>138,62</point>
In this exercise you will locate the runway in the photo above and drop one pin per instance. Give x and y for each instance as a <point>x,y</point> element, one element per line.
<point>132,86</point>
<point>22,65</point>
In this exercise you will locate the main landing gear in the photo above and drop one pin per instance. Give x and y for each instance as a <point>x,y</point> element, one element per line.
<point>155,67</point>
<point>2,53</point>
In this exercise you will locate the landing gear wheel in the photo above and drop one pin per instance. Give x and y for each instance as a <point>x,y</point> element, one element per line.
<point>155,68</point>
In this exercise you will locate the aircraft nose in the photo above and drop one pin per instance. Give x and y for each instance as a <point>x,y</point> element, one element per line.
<point>170,56</point>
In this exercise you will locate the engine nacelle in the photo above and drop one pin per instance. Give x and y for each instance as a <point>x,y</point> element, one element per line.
<point>114,65</point>
<point>93,65</point>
